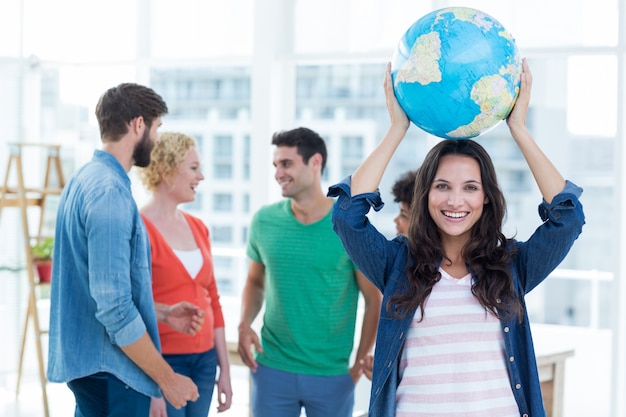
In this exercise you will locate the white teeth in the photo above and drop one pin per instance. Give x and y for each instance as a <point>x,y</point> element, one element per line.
<point>454,215</point>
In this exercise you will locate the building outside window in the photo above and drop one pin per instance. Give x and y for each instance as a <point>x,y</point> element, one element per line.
<point>333,84</point>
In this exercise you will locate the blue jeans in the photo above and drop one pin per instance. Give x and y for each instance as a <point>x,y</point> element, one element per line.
<point>103,395</point>
<point>278,393</point>
<point>201,368</point>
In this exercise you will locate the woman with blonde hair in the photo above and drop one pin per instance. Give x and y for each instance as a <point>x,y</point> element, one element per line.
<point>182,270</point>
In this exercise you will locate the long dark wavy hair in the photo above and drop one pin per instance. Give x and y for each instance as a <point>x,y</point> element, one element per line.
<point>486,252</point>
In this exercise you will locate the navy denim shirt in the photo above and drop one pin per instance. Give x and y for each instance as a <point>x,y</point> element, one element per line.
<point>101,295</point>
<point>384,262</point>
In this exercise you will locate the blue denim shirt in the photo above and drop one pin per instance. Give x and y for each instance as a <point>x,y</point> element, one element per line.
<point>384,262</point>
<point>101,295</point>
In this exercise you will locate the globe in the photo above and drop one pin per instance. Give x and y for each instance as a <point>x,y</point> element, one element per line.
<point>456,72</point>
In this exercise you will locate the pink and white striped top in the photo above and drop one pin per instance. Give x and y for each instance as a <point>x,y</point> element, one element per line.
<point>453,363</point>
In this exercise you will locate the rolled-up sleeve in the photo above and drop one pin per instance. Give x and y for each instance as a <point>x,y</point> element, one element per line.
<point>562,222</point>
<point>370,250</point>
<point>565,200</point>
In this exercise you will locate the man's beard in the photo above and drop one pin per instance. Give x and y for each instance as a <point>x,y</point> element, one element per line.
<point>141,153</point>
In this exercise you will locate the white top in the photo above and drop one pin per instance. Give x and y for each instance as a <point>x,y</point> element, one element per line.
<point>191,260</point>
<point>453,363</point>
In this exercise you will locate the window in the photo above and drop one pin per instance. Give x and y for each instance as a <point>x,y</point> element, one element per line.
<point>222,234</point>
<point>222,202</point>
<point>245,203</point>
<point>222,170</point>
<point>223,146</point>
<point>246,158</point>
<point>352,154</point>
<point>222,156</point>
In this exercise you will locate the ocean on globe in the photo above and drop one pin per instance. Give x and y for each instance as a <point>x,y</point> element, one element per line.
<point>456,72</point>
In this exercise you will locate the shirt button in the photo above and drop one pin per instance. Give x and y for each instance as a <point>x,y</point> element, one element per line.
<point>498,300</point>
<point>511,359</point>
<point>401,334</point>
<point>506,330</point>
<point>525,415</point>
<point>518,386</point>
<point>389,364</point>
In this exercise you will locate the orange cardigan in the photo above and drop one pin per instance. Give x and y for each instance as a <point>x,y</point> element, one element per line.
<point>171,283</point>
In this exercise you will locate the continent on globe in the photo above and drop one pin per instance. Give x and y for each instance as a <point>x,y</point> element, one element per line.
<point>456,72</point>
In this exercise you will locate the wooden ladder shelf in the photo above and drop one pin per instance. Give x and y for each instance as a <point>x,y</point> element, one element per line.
<point>22,197</point>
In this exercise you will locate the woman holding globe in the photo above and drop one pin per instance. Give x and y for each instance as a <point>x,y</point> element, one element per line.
<point>453,335</point>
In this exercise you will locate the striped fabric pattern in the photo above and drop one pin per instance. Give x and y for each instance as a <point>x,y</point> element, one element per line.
<point>453,362</point>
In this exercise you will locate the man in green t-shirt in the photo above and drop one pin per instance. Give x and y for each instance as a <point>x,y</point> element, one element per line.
<point>310,286</point>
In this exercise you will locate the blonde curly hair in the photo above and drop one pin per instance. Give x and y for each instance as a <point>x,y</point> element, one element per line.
<point>168,153</point>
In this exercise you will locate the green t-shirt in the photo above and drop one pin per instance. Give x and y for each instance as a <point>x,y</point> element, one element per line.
<point>311,293</point>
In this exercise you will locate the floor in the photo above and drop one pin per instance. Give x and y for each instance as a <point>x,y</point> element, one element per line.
<point>61,401</point>
<point>587,376</point>
<point>587,373</point>
<point>29,403</point>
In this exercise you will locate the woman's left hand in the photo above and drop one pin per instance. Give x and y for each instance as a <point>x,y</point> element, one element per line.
<point>517,117</point>
<point>224,392</point>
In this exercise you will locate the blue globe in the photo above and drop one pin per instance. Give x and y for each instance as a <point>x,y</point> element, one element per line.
<point>456,73</point>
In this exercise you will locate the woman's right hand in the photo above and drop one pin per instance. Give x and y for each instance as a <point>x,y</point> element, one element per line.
<point>157,407</point>
<point>396,114</point>
<point>368,175</point>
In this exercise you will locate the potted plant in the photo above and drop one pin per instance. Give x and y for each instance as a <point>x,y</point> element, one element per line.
<point>42,258</point>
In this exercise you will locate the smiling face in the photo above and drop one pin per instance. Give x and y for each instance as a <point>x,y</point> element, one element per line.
<point>456,197</point>
<point>187,178</point>
<point>294,176</point>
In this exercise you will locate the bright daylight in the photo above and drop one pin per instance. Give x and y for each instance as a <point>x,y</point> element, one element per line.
<point>379,208</point>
